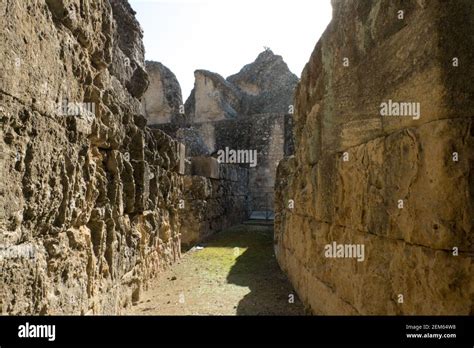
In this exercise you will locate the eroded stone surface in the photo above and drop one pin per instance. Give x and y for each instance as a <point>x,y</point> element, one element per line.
<point>261,87</point>
<point>267,85</point>
<point>95,195</point>
<point>162,100</point>
<point>215,198</point>
<point>212,98</point>
<point>249,111</point>
<point>352,166</point>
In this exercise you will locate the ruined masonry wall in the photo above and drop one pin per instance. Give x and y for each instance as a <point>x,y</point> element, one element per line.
<point>214,200</point>
<point>88,202</point>
<point>352,167</point>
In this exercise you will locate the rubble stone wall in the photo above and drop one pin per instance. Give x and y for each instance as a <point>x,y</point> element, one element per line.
<point>88,198</point>
<point>214,201</point>
<point>250,110</point>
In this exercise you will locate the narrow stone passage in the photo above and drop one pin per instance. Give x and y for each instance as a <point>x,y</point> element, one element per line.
<point>234,273</point>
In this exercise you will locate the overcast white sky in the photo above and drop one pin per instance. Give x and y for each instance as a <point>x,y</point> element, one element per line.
<point>224,35</point>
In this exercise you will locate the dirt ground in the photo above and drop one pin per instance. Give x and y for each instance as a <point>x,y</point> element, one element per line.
<point>235,273</point>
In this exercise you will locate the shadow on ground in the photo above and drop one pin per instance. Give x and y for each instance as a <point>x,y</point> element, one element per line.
<point>256,268</point>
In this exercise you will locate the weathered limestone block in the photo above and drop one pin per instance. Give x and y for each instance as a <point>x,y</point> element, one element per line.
<point>205,166</point>
<point>162,100</point>
<point>399,186</point>
<point>212,98</point>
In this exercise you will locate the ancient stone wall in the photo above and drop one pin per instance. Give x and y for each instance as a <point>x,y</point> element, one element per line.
<point>216,197</point>
<point>268,134</point>
<point>264,133</point>
<point>400,186</point>
<point>250,110</point>
<point>89,194</point>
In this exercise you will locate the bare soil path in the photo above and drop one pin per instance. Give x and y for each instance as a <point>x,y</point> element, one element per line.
<point>235,273</point>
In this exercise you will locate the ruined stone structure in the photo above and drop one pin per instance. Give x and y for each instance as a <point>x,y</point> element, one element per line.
<point>216,197</point>
<point>162,100</point>
<point>89,194</point>
<point>247,111</point>
<point>93,202</point>
<point>401,186</point>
